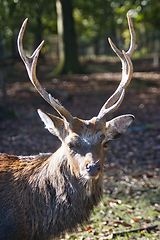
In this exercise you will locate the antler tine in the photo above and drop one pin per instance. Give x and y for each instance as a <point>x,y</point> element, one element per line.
<point>30,64</point>
<point>116,99</point>
<point>133,37</point>
<point>127,71</point>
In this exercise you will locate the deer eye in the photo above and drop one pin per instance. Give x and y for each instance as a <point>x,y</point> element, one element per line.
<point>71,145</point>
<point>105,144</point>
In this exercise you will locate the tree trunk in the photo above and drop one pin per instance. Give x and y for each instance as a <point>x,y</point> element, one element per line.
<point>156,53</point>
<point>68,52</point>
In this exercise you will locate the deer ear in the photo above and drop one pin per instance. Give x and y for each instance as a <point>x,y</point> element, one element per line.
<point>118,126</point>
<point>55,125</point>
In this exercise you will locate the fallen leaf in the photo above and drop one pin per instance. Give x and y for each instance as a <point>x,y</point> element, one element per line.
<point>147,220</point>
<point>123,223</point>
<point>149,174</point>
<point>113,203</point>
<point>110,236</point>
<point>143,232</point>
<point>135,219</point>
<point>89,229</point>
<point>128,212</point>
<point>126,224</point>
<point>102,212</point>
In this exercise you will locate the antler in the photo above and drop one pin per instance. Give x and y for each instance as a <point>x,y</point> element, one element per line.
<point>30,63</point>
<point>127,71</point>
<point>111,104</point>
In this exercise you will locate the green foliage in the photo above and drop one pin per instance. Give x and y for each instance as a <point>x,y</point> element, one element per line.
<point>13,12</point>
<point>94,21</point>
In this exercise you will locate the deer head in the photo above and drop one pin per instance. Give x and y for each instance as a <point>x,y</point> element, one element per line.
<point>84,142</point>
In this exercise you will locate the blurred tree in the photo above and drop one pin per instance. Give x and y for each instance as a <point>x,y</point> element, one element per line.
<point>68,51</point>
<point>147,20</point>
<point>12,14</point>
<point>94,22</point>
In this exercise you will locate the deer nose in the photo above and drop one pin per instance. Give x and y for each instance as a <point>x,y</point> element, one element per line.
<point>93,169</point>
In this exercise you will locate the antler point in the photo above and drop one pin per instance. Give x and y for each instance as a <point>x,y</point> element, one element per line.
<point>25,22</point>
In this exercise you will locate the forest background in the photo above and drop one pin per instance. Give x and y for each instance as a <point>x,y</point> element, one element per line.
<point>86,25</point>
<point>78,67</point>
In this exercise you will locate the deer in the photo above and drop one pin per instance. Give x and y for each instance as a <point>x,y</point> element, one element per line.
<point>45,195</point>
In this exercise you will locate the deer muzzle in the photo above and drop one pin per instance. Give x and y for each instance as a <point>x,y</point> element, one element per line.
<point>93,170</point>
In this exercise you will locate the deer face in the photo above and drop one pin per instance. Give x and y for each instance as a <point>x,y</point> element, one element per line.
<point>86,142</point>
<point>86,146</point>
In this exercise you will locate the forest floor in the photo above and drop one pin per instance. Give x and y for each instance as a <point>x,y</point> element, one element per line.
<point>132,166</point>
